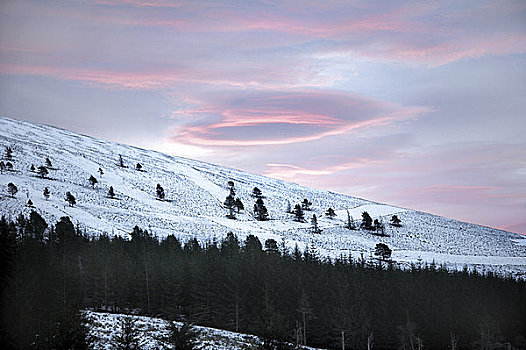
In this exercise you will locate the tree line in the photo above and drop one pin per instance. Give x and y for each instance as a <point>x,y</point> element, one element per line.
<point>49,273</point>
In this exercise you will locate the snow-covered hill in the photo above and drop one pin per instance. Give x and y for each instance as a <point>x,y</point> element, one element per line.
<point>196,190</point>
<point>104,327</point>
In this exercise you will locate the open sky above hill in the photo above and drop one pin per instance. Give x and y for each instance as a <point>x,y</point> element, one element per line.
<point>416,104</point>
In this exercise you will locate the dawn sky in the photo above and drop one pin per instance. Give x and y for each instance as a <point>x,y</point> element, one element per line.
<point>419,104</point>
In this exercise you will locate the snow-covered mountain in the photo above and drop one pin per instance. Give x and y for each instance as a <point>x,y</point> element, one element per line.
<point>195,192</point>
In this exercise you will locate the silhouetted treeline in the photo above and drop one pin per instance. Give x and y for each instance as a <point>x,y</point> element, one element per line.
<point>50,273</point>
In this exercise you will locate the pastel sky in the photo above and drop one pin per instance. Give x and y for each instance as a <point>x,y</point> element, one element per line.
<point>420,104</point>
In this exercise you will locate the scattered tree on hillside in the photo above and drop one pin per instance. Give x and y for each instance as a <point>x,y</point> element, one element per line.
<point>138,167</point>
<point>382,250</point>
<point>350,222</point>
<point>395,221</point>
<point>12,189</point>
<point>30,203</point>
<point>289,208</point>
<point>70,199</point>
<point>379,227</point>
<point>111,193</point>
<point>239,205</point>
<point>185,337</point>
<point>367,221</point>
<point>46,193</point>
<point>231,188</point>
<point>92,180</point>
<point>160,192</point>
<point>32,168</point>
<point>260,211</point>
<point>230,203</point>
<point>128,336</point>
<point>9,166</point>
<point>48,163</point>
<point>8,153</point>
<point>256,192</point>
<point>298,213</point>
<point>306,204</point>
<point>271,246</point>
<point>121,162</point>
<point>42,171</point>
<point>314,224</point>
<point>101,172</point>
<point>2,166</point>
<point>330,213</point>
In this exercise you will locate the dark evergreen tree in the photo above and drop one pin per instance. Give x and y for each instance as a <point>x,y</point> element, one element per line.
<point>121,162</point>
<point>111,193</point>
<point>128,336</point>
<point>288,208</point>
<point>12,189</point>
<point>382,250</point>
<point>330,213</point>
<point>379,227</point>
<point>256,192</point>
<point>93,181</point>
<point>185,337</point>
<point>314,224</point>
<point>70,199</point>
<point>306,204</point>
<point>9,166</point>
<point>2,166</point>
<point>48,163</point>
<point>42,171</point>
<point>260,211</point>
<point>32,168</point>
<point>230,204</point>
<point>30,203</point>
<point>367,221</point>
<point>239,205</point>
<point>46,193</point>
<point>395,221</point>
<point>101,172</point>
<point>350,222</point>
<point>298,213</point>
<point>8,153</point>
<point>138,167</point>
<point>160,192</point>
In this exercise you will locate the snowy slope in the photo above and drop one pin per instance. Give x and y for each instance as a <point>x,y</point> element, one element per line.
<point>104,327</point>
<point>195,192</point>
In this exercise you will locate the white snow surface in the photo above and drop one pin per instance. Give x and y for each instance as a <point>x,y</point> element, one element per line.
<point>196,190</point>
<point>104,327</point>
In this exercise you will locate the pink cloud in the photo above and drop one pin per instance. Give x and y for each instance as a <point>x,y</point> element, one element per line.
<point>284,117</point>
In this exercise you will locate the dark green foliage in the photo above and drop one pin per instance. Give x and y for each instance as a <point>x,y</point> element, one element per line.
<point>395,221</point>
<point>138,167</point>
<point>49,273</point>
<point>9,166</point>
<point>121,162</point>
<point>330,213</point>
<point>111,193</point>
<point>30,203</point>
<point>159,190</point>
<point>48,163</point>
<point>46,193</point>
<point>101,172</point>
<point>367,221</point>
<point>12,189</point>
<point>260,211</point>
<point>256,192</point>
<point>239,205</point>
<point>42,171</point>
<point>350,222</point>
<point>185,337</point>
<point>70,199</point>
<point>382,250</point>
<point>298,213</point>
<point>8,153</point>
<point>306,204</point>
<point>32,168</point>
<point>230,203</point>
<point>93,181</point>
<point>314,224</point>
<point>128,336</point>
<point>2,166</point>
